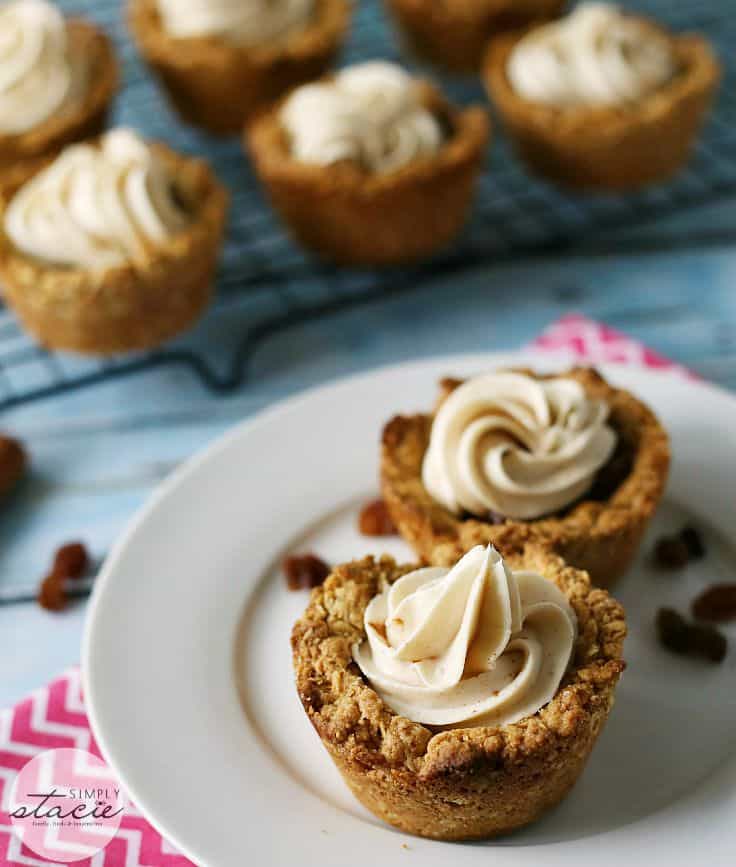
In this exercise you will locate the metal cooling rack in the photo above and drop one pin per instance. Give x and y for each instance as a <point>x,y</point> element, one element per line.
<point>266,284</point>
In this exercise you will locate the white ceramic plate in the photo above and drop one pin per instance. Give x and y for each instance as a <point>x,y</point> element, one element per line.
<point>188,672</point>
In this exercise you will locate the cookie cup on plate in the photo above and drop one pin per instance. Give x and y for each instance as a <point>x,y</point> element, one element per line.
<point>350,216</point>
<point>609,149</point>
<point>461,783</point>
<point>600,533</point>
<point>218,85</point>
<point>130,307</point>
<point>84,118</point>
<point>455,33</point>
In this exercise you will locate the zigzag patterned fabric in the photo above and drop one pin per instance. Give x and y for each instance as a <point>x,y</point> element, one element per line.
<point>596,343</point>
<point>54,716</point>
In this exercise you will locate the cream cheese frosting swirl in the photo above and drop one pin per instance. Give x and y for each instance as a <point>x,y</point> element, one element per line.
<point>475,645</point>
<point>596,56</point>
<point>96,207</point>
<point>369,114</point>
<point>245,22</point>
<point>38,75</point>
<point>521,447</point>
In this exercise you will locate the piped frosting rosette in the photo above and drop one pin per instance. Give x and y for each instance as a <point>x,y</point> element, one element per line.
<point>516,446</point>
<point>245,22</point>
<point>97,206</point>
<point>475,645</point>
<point>596,56</point>
<point>38,75</point>
<point>369,114</point>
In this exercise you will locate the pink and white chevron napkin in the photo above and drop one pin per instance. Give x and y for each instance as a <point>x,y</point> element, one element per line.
<point>54,715</point>
<point>596,343</point>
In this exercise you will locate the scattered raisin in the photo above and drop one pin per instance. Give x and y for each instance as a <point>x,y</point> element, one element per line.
<point>694,542</point>
<point>13,462</point>
<point>71,560</point>
<point>671,552</point>
<point>304,571</point>
<point>496,518</point>
<point>717,603</point>
<point>679,636</point>
<point>375,520</point>
<point>51,595</point>
<point>673,630</point>
<point>708,642</point>
<point>674,552</point>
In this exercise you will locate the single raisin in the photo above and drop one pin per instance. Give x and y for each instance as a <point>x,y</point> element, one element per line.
<point>671,552</point>
<point>679,636</point>
<point>717,603</point>
<point>51,594</point>
<point>304,571</point>
<point>375,520</point>
<point>694,542</point>
<point>71,560</point>
<point>707,641</point>
<point>673,630</point>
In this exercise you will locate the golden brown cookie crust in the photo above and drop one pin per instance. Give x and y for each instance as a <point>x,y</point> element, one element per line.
<point>83,119</point>
<point>600,537</point>
<point>350,216</point>
<point>455,33</point>
<point>463,783</point>
<point>131,307</point>
<point>219,86</point>
<point>609,148</point>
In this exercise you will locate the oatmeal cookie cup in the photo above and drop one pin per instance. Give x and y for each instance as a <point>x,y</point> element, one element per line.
<point>85,118</point>
<point>129,307</point>
<point>609,148</point>
<point>350,216</point>
<point>455,33</point>
<point>601,536</point>
<point>461,783</point>
<point>219,86</point>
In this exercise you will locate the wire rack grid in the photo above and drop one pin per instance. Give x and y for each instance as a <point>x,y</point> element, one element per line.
<point>266,284</point>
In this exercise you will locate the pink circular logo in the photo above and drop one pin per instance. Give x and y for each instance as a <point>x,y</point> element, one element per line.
<point>66,805</point>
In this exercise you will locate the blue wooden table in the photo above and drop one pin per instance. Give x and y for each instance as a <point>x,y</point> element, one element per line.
<point>98,453</point>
